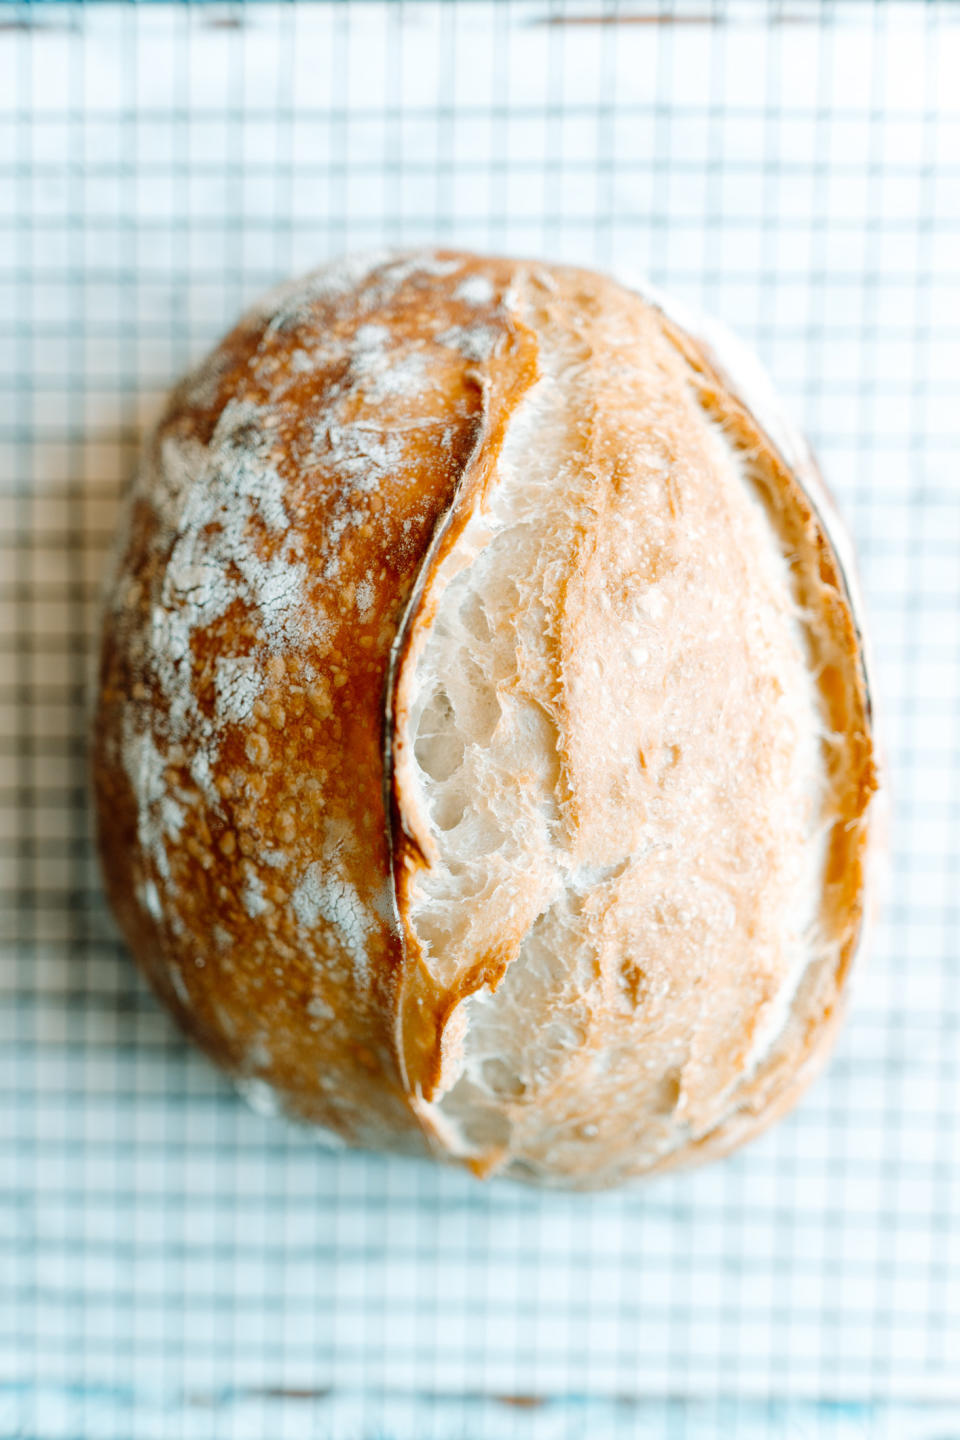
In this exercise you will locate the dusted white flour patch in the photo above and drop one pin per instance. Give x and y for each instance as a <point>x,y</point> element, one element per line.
<point>385,376</point>
<point>474,342</point>
<point>218,556</point>
<point>260,1096</point>
<point>323,895</point>
<point>277,859</point>
<point>320,1009</point>
<point>159,816</point>
<point>254,900</point>
<point>238,680</point>
<point>476,290</point>
<point>365,453</point>
<point>365,595</point>
<point>150,899</point>
<point>370,340</point>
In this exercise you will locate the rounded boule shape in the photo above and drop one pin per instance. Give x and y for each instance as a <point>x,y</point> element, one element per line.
<point>483,751</point>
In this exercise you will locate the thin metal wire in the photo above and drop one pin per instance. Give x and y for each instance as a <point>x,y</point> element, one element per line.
<point>169,1262</point>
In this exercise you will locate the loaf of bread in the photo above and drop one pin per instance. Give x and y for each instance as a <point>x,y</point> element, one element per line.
<point>483,745</point>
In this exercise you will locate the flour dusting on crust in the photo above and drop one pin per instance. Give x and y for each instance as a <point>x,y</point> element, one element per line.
<point>275,527</point>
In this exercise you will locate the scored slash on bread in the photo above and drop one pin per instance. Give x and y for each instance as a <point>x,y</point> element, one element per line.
<point>483,753</point>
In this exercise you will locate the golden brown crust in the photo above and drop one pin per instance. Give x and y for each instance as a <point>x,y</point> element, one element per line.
<point>334,388</point>
<point>277,581</point>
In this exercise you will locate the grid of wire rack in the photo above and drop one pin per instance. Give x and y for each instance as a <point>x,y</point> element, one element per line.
<point>172,1264</point>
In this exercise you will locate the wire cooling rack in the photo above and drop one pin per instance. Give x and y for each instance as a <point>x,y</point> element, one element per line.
<point>174,1265</point>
